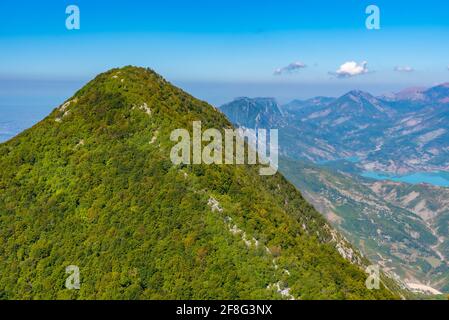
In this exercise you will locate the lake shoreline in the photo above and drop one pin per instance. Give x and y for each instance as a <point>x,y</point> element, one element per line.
<point>437,178</point>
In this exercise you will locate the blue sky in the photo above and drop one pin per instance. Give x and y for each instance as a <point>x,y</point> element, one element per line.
<point>221,49</point>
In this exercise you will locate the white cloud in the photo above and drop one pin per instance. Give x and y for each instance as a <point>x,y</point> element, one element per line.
<point>404,69</point>
<point>351,69</point>
<point>292,67</point>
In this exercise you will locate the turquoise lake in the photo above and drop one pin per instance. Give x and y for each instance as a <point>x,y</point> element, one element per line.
<point>440,179</point>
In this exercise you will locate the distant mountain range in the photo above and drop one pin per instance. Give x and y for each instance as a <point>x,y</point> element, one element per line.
<point>254,113</point>
<point>398,134</point>
<point>326,143</point>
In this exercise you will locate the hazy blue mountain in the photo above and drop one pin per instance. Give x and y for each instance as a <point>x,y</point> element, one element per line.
<point>403,227</point>
<point>253,113</point>
<point>296,106</point>
<point>403,133</point>
<point>409,94</point>
<point>415,98</point>
<point>438,94</point>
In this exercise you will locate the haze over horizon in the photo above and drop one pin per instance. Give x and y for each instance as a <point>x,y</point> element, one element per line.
<point>299,49</point>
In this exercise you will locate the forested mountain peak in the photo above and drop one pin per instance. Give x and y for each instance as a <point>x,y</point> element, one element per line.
<point>93,186</point>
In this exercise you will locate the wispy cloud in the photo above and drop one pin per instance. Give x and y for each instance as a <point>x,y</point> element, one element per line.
<point>291,68</point>
<point>351,69</point>
<point>405,69</point>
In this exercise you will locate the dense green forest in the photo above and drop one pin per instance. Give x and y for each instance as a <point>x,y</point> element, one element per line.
<point>92,185</point>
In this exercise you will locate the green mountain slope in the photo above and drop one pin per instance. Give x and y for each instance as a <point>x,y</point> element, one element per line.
<point>92,185</point>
